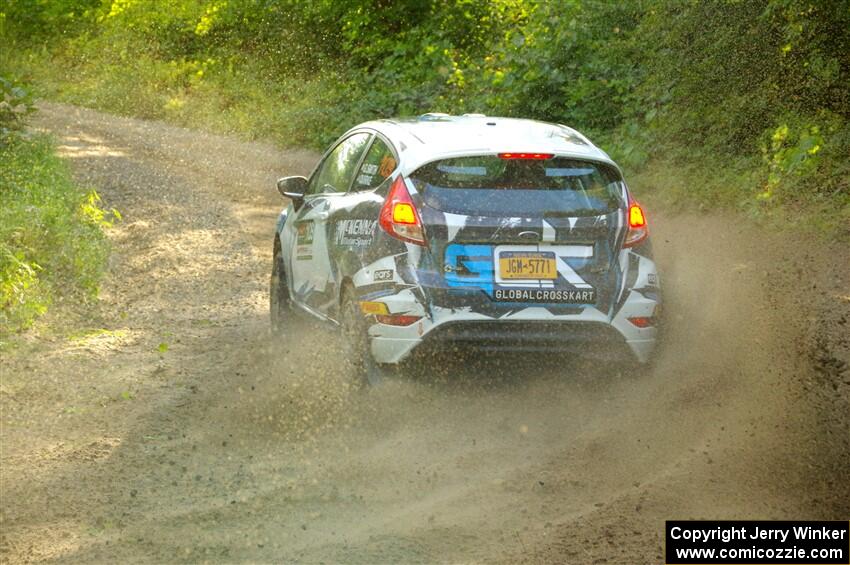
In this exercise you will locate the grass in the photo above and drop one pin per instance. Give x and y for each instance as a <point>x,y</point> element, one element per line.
<point>705,186</point>
<point>52,244</point>
<point>226,94</point>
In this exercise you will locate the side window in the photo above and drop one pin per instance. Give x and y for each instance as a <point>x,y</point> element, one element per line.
<point>377,166</point>
<point>335,172</point>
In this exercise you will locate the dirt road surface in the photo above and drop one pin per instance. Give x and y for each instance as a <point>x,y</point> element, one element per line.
<point>164,424</point>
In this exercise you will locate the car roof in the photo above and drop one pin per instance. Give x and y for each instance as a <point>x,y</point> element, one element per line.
<point>438,136</point>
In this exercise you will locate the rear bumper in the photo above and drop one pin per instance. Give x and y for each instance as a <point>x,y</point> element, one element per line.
<point>594,340</point>
<point>452,319</point>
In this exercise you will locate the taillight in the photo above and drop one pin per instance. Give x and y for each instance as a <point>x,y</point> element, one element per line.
<point>638,230</point>
<point>536,156</point>
<point>643,321</point>
<point>399,216</point>
<point>397,319</point>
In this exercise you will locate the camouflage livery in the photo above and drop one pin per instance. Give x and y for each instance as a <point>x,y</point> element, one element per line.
<point>452,283</point>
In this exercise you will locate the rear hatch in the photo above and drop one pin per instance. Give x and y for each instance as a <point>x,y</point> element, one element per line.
<point>513,230</point>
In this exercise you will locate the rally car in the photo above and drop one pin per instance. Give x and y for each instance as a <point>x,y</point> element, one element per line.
<point>424,235</point>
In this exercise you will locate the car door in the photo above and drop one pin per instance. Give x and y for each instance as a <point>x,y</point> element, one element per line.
<point>353,219</point>
<point>310,264</point>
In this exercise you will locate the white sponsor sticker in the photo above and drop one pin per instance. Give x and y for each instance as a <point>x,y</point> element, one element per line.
<point>355,232</point>
<point>383,275</point>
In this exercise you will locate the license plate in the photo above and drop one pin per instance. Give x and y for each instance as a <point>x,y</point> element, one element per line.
<point>534,265</point>
<point>546,295</point>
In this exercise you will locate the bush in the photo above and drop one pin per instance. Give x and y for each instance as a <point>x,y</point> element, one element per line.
<point>51,238</point>
<point>659,83</point>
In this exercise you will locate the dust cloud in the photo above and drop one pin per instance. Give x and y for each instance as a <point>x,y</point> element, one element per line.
<point>237,446</point>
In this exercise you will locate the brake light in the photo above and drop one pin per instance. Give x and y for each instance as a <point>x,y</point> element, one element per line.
<point>399,217</point>
<point>397,320</point>
<point>636,217</point>
<point>638,230</point>
<point>537,156</point>
<point>404,213</point>
<point>643,321</point>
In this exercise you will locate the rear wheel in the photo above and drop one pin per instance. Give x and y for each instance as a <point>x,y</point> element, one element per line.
<point>280,313</point>
<point>355,341</point>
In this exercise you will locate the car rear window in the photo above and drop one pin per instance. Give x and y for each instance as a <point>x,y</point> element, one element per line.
<point>489,185</point>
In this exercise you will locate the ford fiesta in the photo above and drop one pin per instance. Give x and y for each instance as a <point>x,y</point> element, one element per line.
<point>417,236</point>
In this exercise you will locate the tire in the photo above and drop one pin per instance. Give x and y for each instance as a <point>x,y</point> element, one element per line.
<point>355,342</point>
<point>280,312</point>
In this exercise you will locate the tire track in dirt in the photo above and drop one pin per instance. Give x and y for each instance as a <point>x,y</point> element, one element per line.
<point>230,446</point>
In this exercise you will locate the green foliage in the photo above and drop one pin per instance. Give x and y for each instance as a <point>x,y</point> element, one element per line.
<point>39,20</point>
<point>797,150</point>
<point>51,239</point>
<point>15,105</point>
<point>567,61</point>
<point>660,83</point>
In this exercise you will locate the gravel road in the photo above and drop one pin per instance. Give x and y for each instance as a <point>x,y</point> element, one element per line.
<point>164,424</point>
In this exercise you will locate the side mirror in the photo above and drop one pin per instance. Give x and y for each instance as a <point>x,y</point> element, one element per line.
<point>293,188</point>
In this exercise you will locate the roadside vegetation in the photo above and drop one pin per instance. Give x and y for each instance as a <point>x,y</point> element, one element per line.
<point>742,105</point>
<point>52,245</point>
